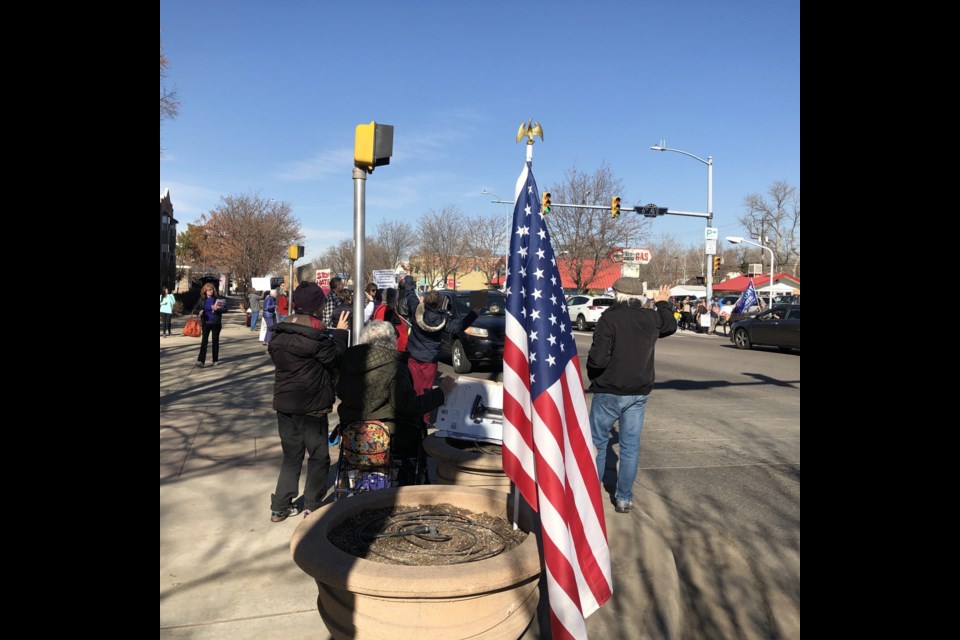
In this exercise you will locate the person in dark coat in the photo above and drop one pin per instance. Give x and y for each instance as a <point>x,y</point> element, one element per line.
<point>620,368</point>
<point>375,384</point>
<point>210,307</point>
<point>306,356</point>
<point>428,321</point>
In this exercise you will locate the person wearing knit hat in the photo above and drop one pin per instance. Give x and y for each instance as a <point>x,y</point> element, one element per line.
<point>307,357</point>
<point>308,298</point>
<point>621,373</point>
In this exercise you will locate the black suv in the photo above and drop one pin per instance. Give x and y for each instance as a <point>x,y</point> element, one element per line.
<point>481,342</point>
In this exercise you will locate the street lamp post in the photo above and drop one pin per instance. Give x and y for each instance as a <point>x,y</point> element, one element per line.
<point>709,163</point>
<point>738,240</point>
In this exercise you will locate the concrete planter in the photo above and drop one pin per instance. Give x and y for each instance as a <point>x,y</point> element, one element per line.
<point>492,598</point>
<point>458,464</point>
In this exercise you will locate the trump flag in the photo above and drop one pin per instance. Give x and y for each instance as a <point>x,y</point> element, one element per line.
<point>747,299</point>
<point>548,452</point>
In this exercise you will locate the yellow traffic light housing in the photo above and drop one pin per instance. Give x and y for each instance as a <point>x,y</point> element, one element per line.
<point>545,204</point>
<point>615,207</point>
<point>295,252</point>
<point>372,146</point>
<point>716,264</point>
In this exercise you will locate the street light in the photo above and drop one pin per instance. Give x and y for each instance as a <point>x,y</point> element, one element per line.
<point>709,162</point>
<point>738,240</point>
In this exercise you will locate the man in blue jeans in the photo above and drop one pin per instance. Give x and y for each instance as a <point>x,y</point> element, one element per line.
<point>620,368</point>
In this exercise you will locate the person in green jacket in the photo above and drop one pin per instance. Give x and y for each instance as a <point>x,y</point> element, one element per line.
<point>375,384</point>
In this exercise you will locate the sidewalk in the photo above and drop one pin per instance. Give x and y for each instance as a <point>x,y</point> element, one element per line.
<point>225,569</point>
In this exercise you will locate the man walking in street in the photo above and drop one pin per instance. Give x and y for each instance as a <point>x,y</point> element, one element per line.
<point>620,368</point>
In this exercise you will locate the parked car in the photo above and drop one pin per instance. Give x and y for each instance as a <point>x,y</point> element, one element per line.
<point>482,342</point>
<point>585,311</point>
<point>777,327</point>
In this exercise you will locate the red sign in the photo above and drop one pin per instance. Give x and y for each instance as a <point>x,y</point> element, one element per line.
<point>323,277</point>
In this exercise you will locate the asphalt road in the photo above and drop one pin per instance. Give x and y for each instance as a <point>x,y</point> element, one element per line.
<point>720,475</point>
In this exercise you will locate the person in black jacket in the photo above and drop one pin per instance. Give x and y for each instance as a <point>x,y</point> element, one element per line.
<point>620,368</point>
<point>306,355</point>
<point>210,307</point>
<point>428,321</point>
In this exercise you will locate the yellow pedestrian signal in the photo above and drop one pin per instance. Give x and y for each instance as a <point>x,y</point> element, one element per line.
<point>545,204</point>
<point>372,146</point>
<point>295,252</point>
<point>716,264</point>
<point>615,207</point>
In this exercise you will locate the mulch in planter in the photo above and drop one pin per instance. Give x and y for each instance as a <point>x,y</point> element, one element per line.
<point>437,534</point>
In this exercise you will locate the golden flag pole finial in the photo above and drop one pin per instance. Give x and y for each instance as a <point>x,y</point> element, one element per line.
<point>529,129</point>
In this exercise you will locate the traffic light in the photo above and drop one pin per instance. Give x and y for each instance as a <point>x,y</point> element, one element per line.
<point>295,251</point>
<point>372,146</point>
<point>716,264</point>
<point>545,204</point>
<point>615,207</point>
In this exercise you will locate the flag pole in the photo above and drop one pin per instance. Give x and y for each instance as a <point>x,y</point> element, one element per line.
<point>527,132</point>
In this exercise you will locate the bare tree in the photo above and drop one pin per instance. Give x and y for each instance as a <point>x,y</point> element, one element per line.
<point>442,248</point>
<point>588,237</point>
<point>338,258</point>
<point>776,219</point>
<point>169,104</point>
<point>488,239</point>
<point>396,239</point>
<point>248,236</point>
<point>664,266</point>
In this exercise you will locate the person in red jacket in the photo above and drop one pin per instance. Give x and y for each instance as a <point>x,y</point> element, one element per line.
<point>388,312</point>
<point>283,305</point>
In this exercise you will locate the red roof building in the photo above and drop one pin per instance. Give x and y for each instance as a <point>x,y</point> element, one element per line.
<point>738,284</point>
<point>603,280</point>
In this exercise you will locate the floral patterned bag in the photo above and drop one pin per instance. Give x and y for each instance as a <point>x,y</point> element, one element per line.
<point>366,444</point>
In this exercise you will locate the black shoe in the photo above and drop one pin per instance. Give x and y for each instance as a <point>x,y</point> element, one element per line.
<point>280,516</point>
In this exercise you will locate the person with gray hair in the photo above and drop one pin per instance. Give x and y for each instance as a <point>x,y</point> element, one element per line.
<point>379,333</point>
<point>375,384</point>
<point>620,368</point>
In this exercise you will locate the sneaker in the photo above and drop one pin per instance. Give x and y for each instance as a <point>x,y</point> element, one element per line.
<point>280,516</point>
<point>623,506</point>
<point>216,363</point>
<point>198,364</point>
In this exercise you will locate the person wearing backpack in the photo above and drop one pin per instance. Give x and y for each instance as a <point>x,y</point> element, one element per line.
<point>429,322</point>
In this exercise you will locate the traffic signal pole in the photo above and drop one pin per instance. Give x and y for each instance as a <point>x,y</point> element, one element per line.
<point>359,234</point>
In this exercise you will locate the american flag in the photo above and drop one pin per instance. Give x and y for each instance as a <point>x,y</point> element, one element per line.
<point>747,299</point>
<point>547,449</point>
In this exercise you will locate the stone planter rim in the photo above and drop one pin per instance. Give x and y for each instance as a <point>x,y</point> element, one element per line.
<point>318,557</point>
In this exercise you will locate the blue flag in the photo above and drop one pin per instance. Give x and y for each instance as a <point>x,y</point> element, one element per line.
<point>747,299</point>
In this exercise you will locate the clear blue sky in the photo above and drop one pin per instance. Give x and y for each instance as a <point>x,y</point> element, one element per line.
<point>271,93</point>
